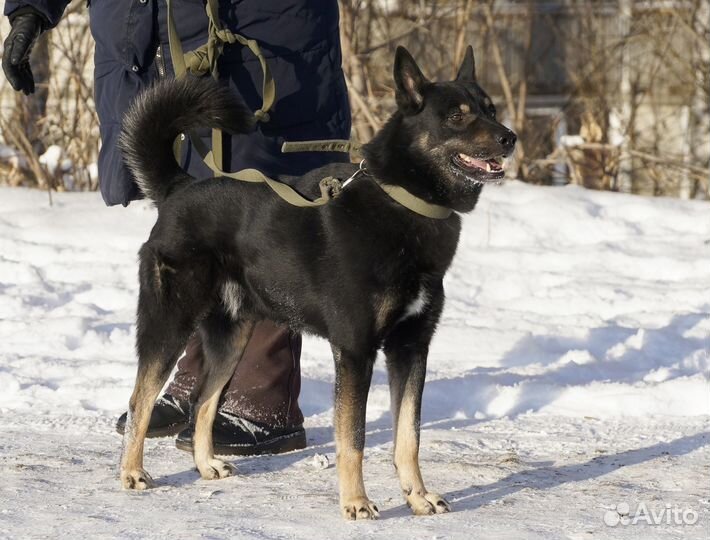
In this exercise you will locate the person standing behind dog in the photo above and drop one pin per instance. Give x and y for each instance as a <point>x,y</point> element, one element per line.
<point>300,40</point>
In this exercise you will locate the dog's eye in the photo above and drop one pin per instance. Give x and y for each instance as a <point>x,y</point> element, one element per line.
<point>492,110</point>
<point>456,117</point>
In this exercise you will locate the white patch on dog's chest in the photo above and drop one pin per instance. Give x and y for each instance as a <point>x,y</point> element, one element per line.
<point>418,305</point>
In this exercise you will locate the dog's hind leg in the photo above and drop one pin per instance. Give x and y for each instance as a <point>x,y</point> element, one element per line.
<point>352,384</point>
<point>169,304</point>
<point>153,371</point>
<point>224,341</point>
<point>406,351</point>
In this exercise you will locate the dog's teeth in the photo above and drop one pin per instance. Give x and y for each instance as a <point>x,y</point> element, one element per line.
<point>488,167</point>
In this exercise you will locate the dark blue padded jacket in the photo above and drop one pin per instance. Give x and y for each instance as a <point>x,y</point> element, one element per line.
<point>299,39</point>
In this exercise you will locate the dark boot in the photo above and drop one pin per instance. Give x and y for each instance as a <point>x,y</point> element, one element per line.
<point>171,413</point>
<point>170,416</point>
<point>259,410</point>
<point>266,383</point>
<point>234,436</point>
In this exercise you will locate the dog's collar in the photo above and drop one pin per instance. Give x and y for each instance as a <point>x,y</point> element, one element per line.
<point>403,197</point>
<point>414,203</point>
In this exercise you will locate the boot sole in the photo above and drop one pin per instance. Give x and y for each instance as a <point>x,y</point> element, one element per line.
<point>158,433</point>
<point>277,445</point>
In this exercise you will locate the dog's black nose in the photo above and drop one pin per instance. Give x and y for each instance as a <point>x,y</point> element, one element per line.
<point>507,140</point>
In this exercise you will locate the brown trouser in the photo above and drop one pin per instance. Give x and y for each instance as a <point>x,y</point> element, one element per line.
<point>266,383</point>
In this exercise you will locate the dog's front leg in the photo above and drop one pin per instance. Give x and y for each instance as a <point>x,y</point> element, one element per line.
<point>406,350</point>
<point>352,383</point>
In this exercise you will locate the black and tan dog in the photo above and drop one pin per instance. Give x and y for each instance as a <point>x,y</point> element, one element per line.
<point>363,271</point>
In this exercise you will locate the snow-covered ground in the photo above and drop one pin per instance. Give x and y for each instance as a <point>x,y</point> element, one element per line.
<point>569,378</point>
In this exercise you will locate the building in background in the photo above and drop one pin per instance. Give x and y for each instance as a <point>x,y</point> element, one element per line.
<point>608,94</point>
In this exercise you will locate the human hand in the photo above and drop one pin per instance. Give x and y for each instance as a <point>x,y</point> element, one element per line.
<point>26,28</point>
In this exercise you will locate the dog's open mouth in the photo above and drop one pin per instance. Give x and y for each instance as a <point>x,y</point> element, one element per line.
<point>480,169</point>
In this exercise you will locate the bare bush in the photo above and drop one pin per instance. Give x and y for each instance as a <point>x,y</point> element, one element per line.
<point>55,131</point>
<point>630,78</point>
<point>611,94</point>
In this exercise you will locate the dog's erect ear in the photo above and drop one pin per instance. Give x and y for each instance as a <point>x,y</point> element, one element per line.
<point>467,71</point>
<point>409,81</point>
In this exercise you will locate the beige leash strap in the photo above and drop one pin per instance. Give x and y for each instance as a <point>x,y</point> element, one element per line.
<point>325,145</point>
<point>204,60</point>
<point>414,203</point>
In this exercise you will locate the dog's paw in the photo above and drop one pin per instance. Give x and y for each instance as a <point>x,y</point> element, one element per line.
<point>214,469</point>
<point>427,504</point>
<point>359,508</point>
<point>136,479</point>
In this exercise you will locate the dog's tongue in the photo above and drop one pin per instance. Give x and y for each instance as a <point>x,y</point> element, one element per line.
<point>489,165</point>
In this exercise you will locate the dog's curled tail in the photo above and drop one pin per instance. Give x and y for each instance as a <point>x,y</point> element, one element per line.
<point>164,111</point>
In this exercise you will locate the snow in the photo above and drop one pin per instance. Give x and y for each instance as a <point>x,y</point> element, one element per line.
<point>50,159</point>
<point>569,376</point>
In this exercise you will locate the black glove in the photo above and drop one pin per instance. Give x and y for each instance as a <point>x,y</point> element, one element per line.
<point>27,25</point>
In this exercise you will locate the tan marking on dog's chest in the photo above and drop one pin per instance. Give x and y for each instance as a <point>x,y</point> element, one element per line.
<point>384,305</point>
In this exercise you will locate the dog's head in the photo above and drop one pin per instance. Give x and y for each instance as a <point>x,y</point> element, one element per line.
<point>452,130</point>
